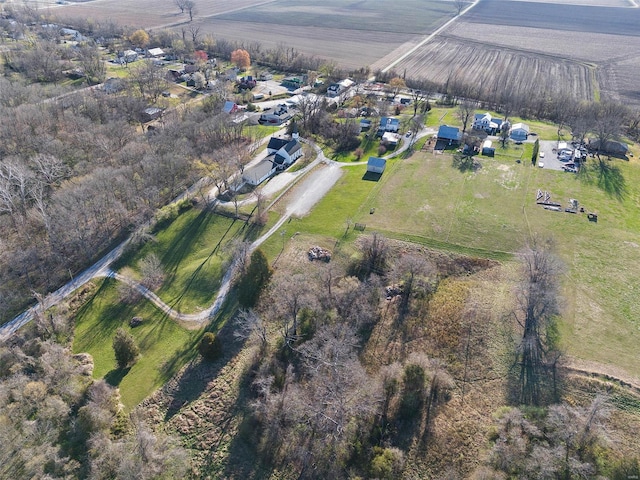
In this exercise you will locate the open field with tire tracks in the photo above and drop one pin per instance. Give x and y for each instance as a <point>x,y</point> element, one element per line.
<point>583,19</point>
<point>346,48</point>
<point>496,69</point>
<point>149,14</point>
<point>537,47</point>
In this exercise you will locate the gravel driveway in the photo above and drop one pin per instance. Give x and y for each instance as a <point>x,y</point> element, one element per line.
<point>312,189</point>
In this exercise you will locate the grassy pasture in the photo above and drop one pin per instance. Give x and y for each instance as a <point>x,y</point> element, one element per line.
<point>494,209</point>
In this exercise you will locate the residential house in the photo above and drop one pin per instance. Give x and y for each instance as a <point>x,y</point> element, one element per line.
<point>174,75</point>
<point>365,125</point>
<point>247,83</point>
<point>484,121</point>
<point>151,113</point>
<point>336,89</point>
<point>230,74</point>
<point>114,85</point>
<point>259,172</point>
<point>449,134</point>
<point>388,124</point>
<point>155,52</point>
<point>128,56</point>
<point>73,34</point>
<point>294,83</point>
<point>283,152</point>
<point>278,116</point>
<point>230,107</point>
<point>376,165</point>
<point>519,132</point>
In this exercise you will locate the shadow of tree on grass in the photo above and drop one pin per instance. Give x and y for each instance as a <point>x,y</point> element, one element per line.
<point>115,376</point>
<point>193,381</point>
<point>605,176</point>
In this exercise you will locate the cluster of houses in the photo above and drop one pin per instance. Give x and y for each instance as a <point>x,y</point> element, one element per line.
<point>483,122</point>
<point>131,55</point>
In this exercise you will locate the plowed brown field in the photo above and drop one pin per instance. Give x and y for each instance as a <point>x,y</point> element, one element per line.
<point>499,69</point>
<point>582,48</point>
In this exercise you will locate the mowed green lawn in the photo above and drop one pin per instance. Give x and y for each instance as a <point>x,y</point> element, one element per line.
<point>493,212</point>
<point>164,345</point>
<point>193,249</point>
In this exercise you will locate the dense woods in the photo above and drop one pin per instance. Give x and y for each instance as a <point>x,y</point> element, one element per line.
<point>76,171</point>
<point>57,422</point>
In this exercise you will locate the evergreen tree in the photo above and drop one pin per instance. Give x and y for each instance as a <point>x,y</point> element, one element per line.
<point>125,348</point>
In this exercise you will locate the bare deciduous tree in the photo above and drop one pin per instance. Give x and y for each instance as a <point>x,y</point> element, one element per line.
<point>251,327</point>
<point>292,294</point>
<point>152,271</point>
<point>415,274</point>
<point>149,80</point>
<point>537,300</point>
<point>375,250</point>
<point>465,112</point>
<point>190,7</point>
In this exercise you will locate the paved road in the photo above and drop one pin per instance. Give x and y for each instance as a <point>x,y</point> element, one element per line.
<point>428,39</point>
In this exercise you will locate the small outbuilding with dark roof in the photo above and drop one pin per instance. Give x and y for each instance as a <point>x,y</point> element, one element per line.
<point>376,165</point>
<point>451,134</point>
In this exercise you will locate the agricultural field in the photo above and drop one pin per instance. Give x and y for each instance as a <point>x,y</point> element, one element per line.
<point>534,48</point>
<point>352,34</point>
<point>410,17</point>
<point>497,69</point>
<point>346,48</point>
<point>146,13</point>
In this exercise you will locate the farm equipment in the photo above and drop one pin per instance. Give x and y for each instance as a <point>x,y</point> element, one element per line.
<point>573,206</point>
